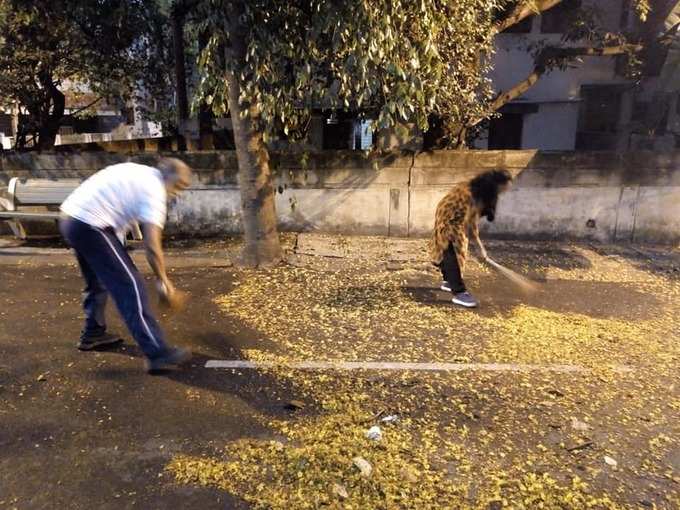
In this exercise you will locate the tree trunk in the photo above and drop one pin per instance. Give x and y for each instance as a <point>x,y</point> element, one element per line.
<point>258,211</point>
<point>180,74</point>
<point>52,116</point>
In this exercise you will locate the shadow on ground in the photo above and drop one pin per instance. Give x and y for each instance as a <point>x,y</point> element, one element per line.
<point>600,300</point>
<point>93,426</point>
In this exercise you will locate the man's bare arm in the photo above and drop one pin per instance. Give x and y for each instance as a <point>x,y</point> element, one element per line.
<point>153,236</point>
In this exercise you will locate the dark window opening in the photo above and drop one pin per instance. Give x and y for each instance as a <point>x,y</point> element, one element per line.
<point>599,117</point>
<point>626,9</point>
<point>505,132</point>
<point>6,124</point>
<point>128,113</point>
<point>91,124</point>
<point>652,115</point>
<point>338,131</point>
<point>640,109</point>
<point>558,19</point>
<point>654,57</point>
<point>600,108</point>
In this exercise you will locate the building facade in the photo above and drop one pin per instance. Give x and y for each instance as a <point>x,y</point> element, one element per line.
<point>593,105</point>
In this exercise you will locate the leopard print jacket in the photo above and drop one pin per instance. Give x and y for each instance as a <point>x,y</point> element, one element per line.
<point>456,214</point>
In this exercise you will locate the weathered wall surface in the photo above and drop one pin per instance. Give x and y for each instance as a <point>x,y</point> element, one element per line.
<point>599,196</point>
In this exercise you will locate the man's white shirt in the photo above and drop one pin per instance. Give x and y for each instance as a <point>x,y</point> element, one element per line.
<point>118,196</point>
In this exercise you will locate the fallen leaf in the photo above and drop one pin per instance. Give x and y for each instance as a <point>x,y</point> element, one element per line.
<point>364,466</point>
<point>294,405</point>
<point>340,491</point>
<point>581,426</point>
<point>610,462</point>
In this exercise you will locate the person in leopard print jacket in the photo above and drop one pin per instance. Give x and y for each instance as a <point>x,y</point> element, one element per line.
<point>458,214</point>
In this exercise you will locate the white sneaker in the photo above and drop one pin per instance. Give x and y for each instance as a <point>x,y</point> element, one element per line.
<point>445,286</point>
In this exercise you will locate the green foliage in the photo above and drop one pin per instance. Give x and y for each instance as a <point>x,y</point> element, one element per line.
<point>395,61</point>
<point>49,45</point>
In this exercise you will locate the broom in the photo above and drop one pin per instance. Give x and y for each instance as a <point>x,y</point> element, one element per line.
<point>523,283</point>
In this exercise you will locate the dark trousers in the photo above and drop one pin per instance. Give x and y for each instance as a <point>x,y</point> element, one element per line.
<point>108,269</point>
<point>451,270</point>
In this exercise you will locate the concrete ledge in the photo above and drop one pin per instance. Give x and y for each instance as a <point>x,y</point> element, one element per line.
<point>590,195</point>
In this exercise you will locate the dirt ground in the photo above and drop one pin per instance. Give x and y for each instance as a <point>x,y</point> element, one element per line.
<point>92,430</point>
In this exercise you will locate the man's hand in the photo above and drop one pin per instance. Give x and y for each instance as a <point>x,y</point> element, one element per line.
<point>171,297</point>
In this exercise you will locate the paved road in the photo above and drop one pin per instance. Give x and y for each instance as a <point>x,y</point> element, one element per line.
<point>91,430</point>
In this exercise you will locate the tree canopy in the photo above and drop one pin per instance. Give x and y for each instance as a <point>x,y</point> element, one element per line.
<point>108,46</point>
<point>392,61</point>
<point>395,61</point>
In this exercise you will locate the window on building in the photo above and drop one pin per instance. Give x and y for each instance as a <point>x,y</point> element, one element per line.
<point>128,113</point>
<point>654,58</point>
<point>505,132</point>
<point>653,115</point>
<point>558,19</point>
<point>640,109</point>
<point>600,108</point>
<point>599,117</point>
<point>626,11</point>
<point>6,124</point>
<point>338,131</point>
<point>629,20</point>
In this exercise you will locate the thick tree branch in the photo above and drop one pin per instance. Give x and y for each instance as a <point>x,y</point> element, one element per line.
<point>546,60</point>
<point>552,53</point>
<point>73,114</point>
<point>523,10</point>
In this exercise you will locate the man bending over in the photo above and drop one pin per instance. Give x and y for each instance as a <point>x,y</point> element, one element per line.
<point>93,218</point>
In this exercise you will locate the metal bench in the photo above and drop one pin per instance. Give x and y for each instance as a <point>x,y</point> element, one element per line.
<point>31,193</point>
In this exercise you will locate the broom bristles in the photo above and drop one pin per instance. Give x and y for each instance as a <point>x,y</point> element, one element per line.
<point>524,283</point>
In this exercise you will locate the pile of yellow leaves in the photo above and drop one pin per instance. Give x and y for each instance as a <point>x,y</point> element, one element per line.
<point>461,440</point>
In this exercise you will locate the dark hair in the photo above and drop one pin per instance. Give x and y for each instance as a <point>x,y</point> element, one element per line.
<point>484,190</point>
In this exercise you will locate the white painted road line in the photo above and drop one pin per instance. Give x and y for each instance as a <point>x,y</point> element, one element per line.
<point>427,367</point>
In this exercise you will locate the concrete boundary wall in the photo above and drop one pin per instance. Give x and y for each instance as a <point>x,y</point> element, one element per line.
<point>599,196</point>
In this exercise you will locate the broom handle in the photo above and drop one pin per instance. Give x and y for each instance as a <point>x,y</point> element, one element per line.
<point>493,262</point>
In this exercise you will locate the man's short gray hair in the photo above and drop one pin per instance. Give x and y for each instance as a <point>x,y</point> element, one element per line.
<point>172,167</point>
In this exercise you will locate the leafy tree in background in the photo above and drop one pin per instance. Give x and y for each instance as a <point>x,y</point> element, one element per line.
<point>188,39</point>
<point>270,63</point>
<point>46,46</point>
